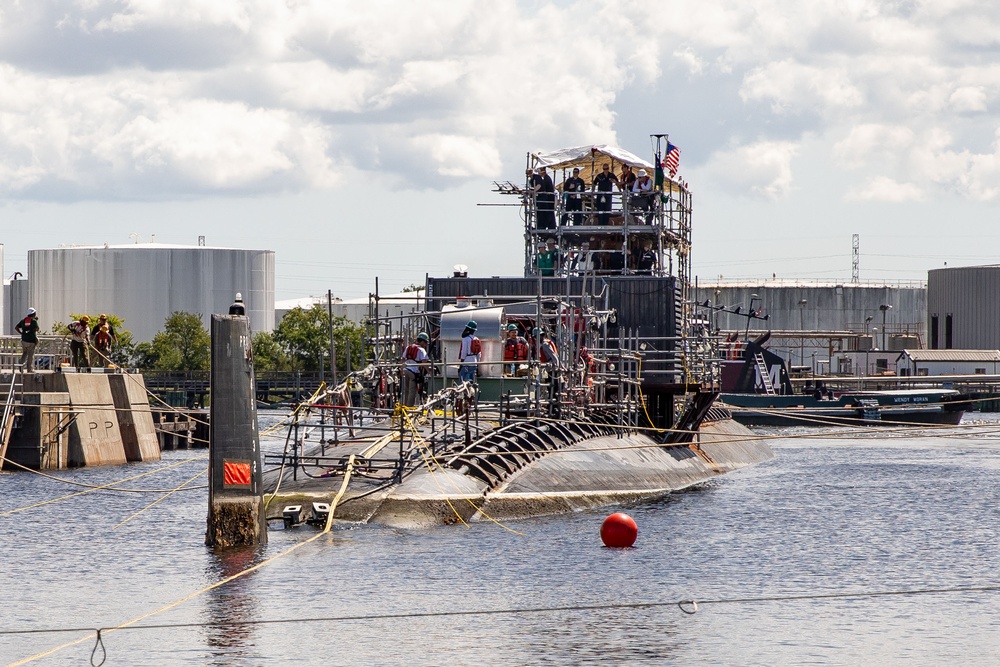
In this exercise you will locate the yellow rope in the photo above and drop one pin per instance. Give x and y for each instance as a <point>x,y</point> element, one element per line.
<point>160,499</point>
<point>110,486</point>
<point>642,398</point>
<point>281,470</point>
<point>340,494</point>
<point>300,407</point>
<point>423,443</point>
<point>405,416</point>
<point>222,582</point>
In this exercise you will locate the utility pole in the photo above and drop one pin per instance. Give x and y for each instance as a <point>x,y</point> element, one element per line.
<point>333,349</point>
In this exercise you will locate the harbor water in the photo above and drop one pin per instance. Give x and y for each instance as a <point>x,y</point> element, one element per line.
<point>769,552</point>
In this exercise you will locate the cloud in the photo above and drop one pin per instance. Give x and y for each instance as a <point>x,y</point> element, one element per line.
<point>146,99</point>
<point>152,99</point>
<point>761,169</point>
<point>968,99</point>
<point>886,189</point>
<point>792,87</point>
<point>872,142</point>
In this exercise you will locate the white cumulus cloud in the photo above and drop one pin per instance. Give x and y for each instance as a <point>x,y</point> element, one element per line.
<point>761,169</point>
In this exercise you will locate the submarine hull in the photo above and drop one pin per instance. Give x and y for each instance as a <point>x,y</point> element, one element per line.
<point>581,474</point>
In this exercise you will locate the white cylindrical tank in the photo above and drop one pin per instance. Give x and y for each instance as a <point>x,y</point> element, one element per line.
<point>489,320</point>
<point>144,283</point>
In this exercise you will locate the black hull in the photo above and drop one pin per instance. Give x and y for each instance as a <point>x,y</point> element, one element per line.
<point>820,418</point>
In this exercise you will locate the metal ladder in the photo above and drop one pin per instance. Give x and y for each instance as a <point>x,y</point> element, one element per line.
<point>10,413</point>
<point>765,376</point>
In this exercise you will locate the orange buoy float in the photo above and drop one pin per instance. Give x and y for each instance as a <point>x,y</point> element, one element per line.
<point>619,531</point>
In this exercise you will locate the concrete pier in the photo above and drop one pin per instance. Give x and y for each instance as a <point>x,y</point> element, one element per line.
<point>235,504</point>
<point>82,419</point>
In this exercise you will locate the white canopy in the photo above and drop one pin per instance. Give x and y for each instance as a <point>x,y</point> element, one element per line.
<point>589,159</point>
<point>586,157</point>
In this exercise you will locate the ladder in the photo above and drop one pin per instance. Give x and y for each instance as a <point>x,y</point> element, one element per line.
<point>765,376</point>
<point>9,414</point>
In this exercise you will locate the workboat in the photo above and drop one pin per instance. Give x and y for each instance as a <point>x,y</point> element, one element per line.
<point>606,396</point>
<point>757,391</point>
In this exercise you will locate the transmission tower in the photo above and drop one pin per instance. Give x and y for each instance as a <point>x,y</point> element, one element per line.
<point>855,258</point>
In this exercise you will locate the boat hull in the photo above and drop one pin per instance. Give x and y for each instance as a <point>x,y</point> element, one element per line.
<point>888,408</point>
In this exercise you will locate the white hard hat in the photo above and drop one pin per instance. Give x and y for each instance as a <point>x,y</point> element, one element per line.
<point>31,311</point>
<point>239,296</point>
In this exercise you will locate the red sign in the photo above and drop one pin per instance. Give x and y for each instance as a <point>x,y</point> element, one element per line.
<point>236,473</point>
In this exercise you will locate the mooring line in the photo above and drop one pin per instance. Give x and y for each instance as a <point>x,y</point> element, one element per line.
<point>253,568</point>
<point>110,486</point>
<point>423,443</point>
<point>160,499</point>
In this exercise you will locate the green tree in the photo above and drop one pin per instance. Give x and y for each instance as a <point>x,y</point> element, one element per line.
<point>268,355</point>
<point>348,336</point>
<point>183,345</point>
<point>304,334</point>
<point>143,356</point>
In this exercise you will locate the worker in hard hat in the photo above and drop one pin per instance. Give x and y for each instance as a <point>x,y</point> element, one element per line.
<point>470,353</point>
<point>415,365</point>
<point>515,350</point>
<point>79,343</point>
<point>28,328</point>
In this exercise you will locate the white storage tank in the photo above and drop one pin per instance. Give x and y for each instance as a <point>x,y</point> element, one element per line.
<point>144,283</point>
<point>489,320</point>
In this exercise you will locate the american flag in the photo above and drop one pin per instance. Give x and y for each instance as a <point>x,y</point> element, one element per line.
<point>672,160</point>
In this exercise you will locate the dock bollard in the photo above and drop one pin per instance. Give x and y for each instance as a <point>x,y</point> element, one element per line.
<point>235,492</point>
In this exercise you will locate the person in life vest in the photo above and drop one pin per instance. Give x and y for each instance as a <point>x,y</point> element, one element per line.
<point>547,350</point>
<point>470,353</point>
<point>102,346</point>
<point>79,344</point>
<point>515,349</point>
<point>415,365</point>
<point>102,322</point>
<point>588,365</point>
<point>28,328</point>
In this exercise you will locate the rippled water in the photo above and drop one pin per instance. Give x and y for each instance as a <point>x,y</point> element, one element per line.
<point>884,512</point>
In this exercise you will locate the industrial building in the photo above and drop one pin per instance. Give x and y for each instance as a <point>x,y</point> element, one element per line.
<point>845,328</point>
<point>397,306</point>
<point>921,363</point>
<point>143,283</point>
<point>961,308</point>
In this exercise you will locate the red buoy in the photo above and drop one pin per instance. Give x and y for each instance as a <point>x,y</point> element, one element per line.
<point>619,531</point>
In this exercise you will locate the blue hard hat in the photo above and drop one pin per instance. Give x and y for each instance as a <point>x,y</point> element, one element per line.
<point>472,325</point>
<point>424,337</point>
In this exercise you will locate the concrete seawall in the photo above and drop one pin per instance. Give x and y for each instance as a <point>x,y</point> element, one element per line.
<point>83,419</point>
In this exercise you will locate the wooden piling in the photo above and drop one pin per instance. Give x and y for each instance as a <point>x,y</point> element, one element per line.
<point>235,500</point>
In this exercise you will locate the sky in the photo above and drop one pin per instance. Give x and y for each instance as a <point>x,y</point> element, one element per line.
<point>362,140</point>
